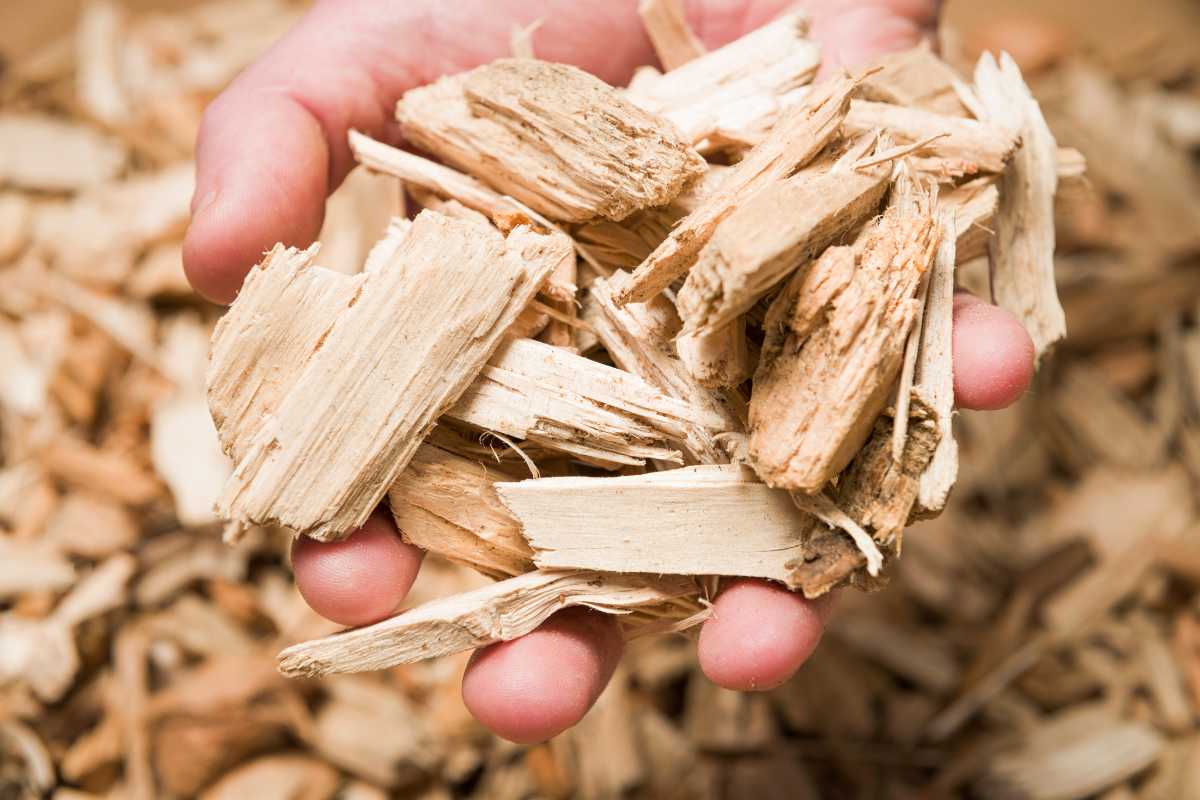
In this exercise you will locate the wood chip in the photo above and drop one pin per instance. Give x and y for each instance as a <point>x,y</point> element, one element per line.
<point>495,613</point>
<point>555,138</point>
<point>836,340</point>
<point>800,135</point>
<point>444,336</point>
<point>666,24</point>
<point>1022,252</point>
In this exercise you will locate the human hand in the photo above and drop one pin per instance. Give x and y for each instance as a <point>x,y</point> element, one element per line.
<point>273,146</point>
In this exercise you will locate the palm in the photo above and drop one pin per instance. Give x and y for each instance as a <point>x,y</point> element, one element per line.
<point>274,145</point>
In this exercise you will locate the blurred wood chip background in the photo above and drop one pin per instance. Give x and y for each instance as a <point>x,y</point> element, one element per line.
<point>1041,638</point>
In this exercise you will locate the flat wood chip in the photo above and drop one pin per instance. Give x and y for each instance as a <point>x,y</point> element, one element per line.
<point>323,385</point>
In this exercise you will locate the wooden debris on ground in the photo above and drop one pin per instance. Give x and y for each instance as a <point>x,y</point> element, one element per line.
<point>1040,638</point>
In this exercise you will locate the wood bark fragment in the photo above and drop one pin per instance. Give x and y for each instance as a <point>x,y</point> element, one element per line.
<point>495,613</point>
<point>835,341</point>
<point>802,133</point>
<point>555,138</point>
<point>675,522</point>
<point>666,24</point>
<point>419,327</point>
<point>735,95</point>
<point>1022,251</point>
<point>781,227</point>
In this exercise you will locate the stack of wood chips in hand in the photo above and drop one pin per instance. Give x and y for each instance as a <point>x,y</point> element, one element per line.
<point>709,313</point>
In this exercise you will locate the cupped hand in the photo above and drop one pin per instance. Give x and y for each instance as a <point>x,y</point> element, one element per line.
<point>273,146</point>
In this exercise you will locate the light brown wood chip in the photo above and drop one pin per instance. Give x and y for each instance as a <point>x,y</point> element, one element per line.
<point>979,146</point>
<point>935,372</point>
<point>640,339</point>
<point>496,613</point>
<point>666,24</point>
<point>1022,251</point>
<point>784,225</point>
<point>798,137</point>
<point>559,140</point>
<point>734,95</point>
<point>446,504</point>
<point>323,385</point>
<point>703,520</point>
<point>566,402</point>
<point>835,342</point>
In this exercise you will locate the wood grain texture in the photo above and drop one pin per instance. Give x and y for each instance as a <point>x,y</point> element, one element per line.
<point>323,385</point>
<point>701,520</point>
<point>496,613</point>
<point>569,403</point>
<point>446,504</point>
<point>734,95</point>
<point>784,225</point>
<point>802,133</point>
<point>561,141</point>
<point>1022,250</point>
<point>835,342</point>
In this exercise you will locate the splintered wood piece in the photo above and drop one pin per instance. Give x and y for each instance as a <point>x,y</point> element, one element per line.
<point>974,206</point>
<point>780,228</point>
<point>735,94</point>
<point>673,522</point>
<point>441,180</point>
<point>797,138</point>
<point>720,358</point>
<point>980,146</point>
<point>639,338</point>
<point>915,78</point>
<point>559,140</point>
<point>496,613</point>
<point>666,24</point>
<point>934,378</point>
<point>877,490</point>
<point>322,385</point>
<point>46,154</point>
<point>446,504</point>
<point>834,345</point>
<point>1022,251</point>
<point>569,403</point>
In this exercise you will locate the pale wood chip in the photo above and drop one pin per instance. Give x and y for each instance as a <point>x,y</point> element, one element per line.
<point>666,24</point>
<point>495,613</point>
<point>555,138</point>
<point>419,327</point>
<point>797,139</point>
<point>1022,251</point>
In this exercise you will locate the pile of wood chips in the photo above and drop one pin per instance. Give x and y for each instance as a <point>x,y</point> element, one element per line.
<point>605,286</point>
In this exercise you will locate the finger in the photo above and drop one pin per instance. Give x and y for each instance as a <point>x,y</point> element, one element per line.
<point>993,355</point>
<point>759,635</point>
<point>537,686</point>
<point>359,580</point>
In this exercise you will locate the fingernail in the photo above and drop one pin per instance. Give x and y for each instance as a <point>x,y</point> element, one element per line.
<point>200,202</point>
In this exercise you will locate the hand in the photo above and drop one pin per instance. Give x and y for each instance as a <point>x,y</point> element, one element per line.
<point>273,146</point>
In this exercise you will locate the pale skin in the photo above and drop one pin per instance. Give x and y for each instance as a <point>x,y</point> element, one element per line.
<point>273,146</point>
